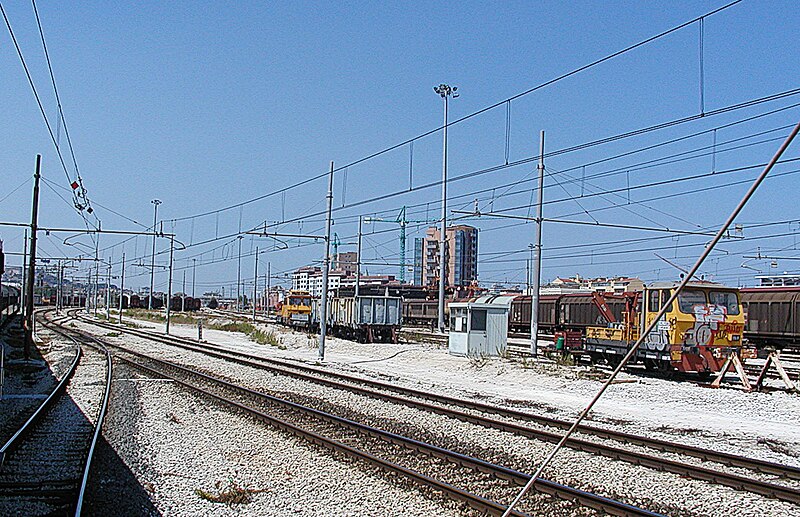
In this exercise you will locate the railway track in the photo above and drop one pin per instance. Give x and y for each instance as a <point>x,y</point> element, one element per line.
<point>514,421</point>
<point>45,465</point>
<point>436,467</point>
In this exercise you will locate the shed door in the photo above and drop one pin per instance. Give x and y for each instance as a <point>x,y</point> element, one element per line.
<point>496,333</point>
<point>477,330</point>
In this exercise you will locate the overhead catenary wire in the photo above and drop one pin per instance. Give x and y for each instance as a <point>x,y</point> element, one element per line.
<point>530,159</point>
<point>598,161</point>
<point>741,105</point>
<point>61,118</point>
<point>464,118</point>
<point>675,293</point>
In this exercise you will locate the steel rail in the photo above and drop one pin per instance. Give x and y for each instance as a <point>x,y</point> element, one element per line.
<point>554,489</point>
<point>19,436</point>
<point>735,481</point>
<point>764,488</point>
<point>98,428</point>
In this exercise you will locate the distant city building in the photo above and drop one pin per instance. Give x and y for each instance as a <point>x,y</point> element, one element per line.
<point>369,280</point>
<point>300,278</point>
<point>616,285</point>
<point>346,262</point>
<point>461,256</point>
<point>785,279</point>
<point>315,282</point>
<point>309,279</point>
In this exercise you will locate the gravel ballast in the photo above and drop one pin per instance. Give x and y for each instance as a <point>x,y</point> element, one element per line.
<point>636,485</point>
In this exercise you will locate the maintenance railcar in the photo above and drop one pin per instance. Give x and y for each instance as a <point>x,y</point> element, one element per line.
<point>295,310</point>
<point>697,334</point>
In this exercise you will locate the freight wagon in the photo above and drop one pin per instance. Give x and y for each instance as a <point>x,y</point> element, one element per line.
<point>773,316</point>
<point>366,319</point>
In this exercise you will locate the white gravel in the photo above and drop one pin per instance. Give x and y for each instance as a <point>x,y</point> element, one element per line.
<point>761,425</point>
<point>654,490</point>
<point>181,443</point>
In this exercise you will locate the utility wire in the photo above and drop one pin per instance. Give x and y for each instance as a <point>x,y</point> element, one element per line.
<point>41,109</point>
<point>480,111</point>
<point>495,168</point>
<point>660,315</point>
<point>63,120</point>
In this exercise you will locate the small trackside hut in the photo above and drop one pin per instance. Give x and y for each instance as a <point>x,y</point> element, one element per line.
<point>479,328</point>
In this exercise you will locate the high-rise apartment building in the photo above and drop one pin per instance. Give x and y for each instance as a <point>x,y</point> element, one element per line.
<point>461,256</point>
<point>346,262</point>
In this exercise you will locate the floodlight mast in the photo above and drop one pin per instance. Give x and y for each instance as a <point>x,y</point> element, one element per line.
<point>445,92</point>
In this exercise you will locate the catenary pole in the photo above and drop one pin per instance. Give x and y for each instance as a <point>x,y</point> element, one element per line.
<point>266,282</point>
<point>86,289</point>
<point>239,277</point>
<point>255,286</point>
<point>155,202</point>
<point>358,258</point>
<point>59,280</point>
<point>707,251</point>
<point>121,288</point>
<point>96,275</point>
<point>108,290</point>
<point>536,264</point>
<point>169,282</point>
<point>194,277</point>
<point>323,311</point>
<point>23,294</point>
<point>32,261</point>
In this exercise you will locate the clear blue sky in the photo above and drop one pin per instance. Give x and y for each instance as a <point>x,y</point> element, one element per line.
<point>204,105</point>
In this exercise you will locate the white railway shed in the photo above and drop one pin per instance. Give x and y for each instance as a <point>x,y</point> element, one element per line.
<point>479,327</point>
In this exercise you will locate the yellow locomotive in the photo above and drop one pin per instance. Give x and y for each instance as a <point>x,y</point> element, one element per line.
<point>699,331</point>
<point>295,310</point>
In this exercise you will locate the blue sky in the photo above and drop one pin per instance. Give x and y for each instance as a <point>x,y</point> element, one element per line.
<point>205,105</point>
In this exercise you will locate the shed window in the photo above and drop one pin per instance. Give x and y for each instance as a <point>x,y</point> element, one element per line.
<point>478,319</point>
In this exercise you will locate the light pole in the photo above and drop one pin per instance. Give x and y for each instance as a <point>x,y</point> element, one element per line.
<point>155,202</point>
<point>445,92</point>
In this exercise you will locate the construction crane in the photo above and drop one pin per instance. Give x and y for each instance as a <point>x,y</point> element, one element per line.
<point>403,222</point>
<point>335,242</point>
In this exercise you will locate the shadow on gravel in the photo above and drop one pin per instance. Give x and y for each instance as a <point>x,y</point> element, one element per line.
<point>113,488</point>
